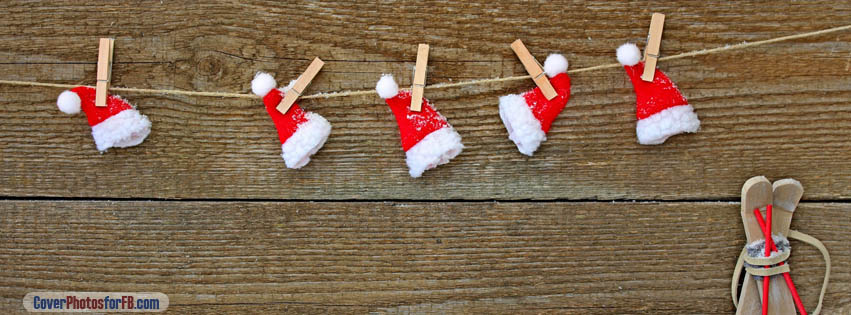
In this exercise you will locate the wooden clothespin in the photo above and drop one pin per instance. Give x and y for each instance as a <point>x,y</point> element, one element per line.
<point>300,84</point>
<point>651,51</point>
<point>419,78</point>
<point>534,69</point>
<point>104,70</point>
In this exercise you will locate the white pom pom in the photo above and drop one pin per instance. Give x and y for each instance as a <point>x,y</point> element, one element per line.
<point>68,102</point>
<point>263,83</point>
<point>628,54</point>
<point>555,64</point>
<point>387,87</point>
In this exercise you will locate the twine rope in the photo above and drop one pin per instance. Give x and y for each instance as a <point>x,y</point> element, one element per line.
<point>443,85</point>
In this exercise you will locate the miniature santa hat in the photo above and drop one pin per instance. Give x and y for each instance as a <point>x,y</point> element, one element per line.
<point>301,133</point>
<point>427,138</point>
<point>528,116</point>
<point>118,124</point>
<point>660,108</point>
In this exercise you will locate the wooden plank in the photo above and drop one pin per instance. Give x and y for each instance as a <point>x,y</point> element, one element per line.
<point>660,258</point>
<point>758,117</point>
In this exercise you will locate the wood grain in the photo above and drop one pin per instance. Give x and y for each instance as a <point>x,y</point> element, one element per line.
<point>486,257</point>
<point>782,110</point>
<point>352,232</point>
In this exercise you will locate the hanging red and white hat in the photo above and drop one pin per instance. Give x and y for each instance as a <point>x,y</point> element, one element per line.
<point>427,138</point>
<point>118,124</point>
<point>301,133</point>
<point>661,109</point>
<point>528,116</point>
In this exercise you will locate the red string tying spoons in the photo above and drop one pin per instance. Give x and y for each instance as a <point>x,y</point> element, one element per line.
<point>766,230</point>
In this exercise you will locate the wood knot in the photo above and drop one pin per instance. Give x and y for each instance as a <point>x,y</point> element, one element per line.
<point>210,66</point>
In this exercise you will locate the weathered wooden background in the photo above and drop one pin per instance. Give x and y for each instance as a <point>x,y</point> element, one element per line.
<point>206,212</point>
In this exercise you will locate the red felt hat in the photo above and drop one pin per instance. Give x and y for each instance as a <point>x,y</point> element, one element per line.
<point>528,116</point>
<point>427,138</point>
<point>301,133</point>
<point>118,124</point>
<point>660,108</point>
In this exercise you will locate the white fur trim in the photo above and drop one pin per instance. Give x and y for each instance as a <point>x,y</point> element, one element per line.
<point>435,149</point>
<point>289,86</point>
<point>125,129</point>
<point>305,141</point>
<point>628,54</point>
<point>658,127</point>
<point>386,86</point>
<point>263,83</point>
<point>68,102</point>
<point>555,64</point>
<point>523,128</point>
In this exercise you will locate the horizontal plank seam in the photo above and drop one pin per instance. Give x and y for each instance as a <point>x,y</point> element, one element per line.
<point>259,200</point>
<point>86,63</point>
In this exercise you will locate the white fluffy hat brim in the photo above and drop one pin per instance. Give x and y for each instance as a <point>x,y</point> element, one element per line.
<point>522,126</point>
<point>435,149</point>
<point>662,125</point>
<point>125,129</point>
<point>306,141</point>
